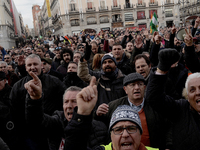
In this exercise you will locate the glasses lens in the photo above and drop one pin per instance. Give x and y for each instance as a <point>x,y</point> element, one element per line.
<point>118,130</point>
<point>131,129</point>
<point>6,58</point>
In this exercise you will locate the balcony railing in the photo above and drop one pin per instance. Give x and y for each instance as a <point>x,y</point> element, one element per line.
<point>116,7</point>
<point>103,8</point>
<point>128,5</point>
<point>52,4</point>
<point>169,3</point>
<point>141,18</point>
<point>74,11</point>
<point>169,15</point>
<point>90,9</point>
<point>75,24</point>
<point>139,5</point>
<point>155,3</point>
<point>117,20</point>
<point>129,19</point>
<point>7,10</point>
<point>55,19</point>
<point>104,21</point>
<point>93,22</point>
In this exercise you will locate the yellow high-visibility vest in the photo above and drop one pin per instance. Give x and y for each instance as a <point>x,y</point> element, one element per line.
<point>109,147</point>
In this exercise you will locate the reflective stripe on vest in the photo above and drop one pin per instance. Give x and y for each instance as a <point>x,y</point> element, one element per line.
<point>109,147</point>
<point>150,148</point>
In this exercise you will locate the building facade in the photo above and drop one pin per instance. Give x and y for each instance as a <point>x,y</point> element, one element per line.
<point>73,16</point>
<point>35,12</point>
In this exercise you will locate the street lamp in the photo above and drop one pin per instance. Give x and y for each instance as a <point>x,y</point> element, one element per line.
<point>184,10</point>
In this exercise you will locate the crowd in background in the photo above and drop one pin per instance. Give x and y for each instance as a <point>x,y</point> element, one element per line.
<point>122,61</point>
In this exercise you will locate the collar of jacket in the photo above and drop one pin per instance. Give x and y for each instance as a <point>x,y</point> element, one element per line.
<point>40,76</point>
<point>119,75</point>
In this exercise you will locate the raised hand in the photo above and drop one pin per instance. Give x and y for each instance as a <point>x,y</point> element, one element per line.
<point>197,21</point>
<point>87,98</point>
<point>146,33</point>
<point>188,39</point>
<point>138,42</point>
<point>157,38</point>
<point>173,29</point>
<point>102,109</point>
<point>126,32</point>
<point>21,60</point>
<point>34,87</point>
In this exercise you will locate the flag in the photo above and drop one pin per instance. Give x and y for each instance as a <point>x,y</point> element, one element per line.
<point>68,40</point>
<point>153,23</point>
<point>48,8</point>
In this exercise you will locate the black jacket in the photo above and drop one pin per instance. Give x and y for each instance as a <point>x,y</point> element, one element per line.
<point>53,90</point>
<point>191,59</point>
<point>186,124</point>
<point>71,79</point>
<point>53,126</point>
<point>124,65</point>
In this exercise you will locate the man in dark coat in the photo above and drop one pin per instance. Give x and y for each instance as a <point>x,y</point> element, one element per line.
<point>66,56</point>
<point>184,114</point>
<point>71,79</point>
<point>53,126</point>
<point>53,90</point>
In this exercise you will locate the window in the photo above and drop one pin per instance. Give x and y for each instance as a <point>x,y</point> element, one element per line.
<point>168,13</point>
<point>115,3</point>
<point>75,22</point>
<point>102,4</point>
<point>141,15</point>
<point>152,1</point>
<point>91,20</point>
<point>151,12</point>
<point>89,5</point>
<point>139,2</point>
<point>104,19</point>
<point>128,16</point>
<point>142,25</point>
<point>72,7</point>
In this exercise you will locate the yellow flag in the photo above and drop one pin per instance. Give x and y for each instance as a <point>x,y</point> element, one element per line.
<point>48,8</point>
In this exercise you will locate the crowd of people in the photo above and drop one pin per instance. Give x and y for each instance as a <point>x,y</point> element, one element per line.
<point>125,89</point>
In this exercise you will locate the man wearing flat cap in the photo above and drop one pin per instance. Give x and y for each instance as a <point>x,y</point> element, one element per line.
<point>154,131</point>
<point>47,68</point>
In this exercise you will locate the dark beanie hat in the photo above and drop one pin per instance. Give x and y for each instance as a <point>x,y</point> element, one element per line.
<point>2,75</point>
<point>108,56</point>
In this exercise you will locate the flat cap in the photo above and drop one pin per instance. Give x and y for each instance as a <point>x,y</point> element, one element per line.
<point>132,77</point>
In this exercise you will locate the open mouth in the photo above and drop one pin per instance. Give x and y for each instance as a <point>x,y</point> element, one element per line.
<point>70,113</point>
<point>136,93</point>
<point>126,145</point>
<point>198,101</point>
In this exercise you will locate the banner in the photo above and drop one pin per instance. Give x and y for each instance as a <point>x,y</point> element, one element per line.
<point>48,8</point>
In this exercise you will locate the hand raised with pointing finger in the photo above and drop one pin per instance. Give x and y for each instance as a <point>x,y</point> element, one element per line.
<point>87,98</point>
<point>34,87</point>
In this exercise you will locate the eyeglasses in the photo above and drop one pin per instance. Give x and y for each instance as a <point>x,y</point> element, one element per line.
<point>81,47</point>
<point>119,130</point>
<point>7,58</point>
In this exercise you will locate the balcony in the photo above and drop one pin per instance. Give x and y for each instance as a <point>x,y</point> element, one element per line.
<point>75,24</point>
<point>128,6</point>
<point>141,5</point>
<point>141,18</point>
<point>91,22</point>
<point>52,4</point>
<point>169,3</point>
<point>153,4</point>
<point>7,10</point>
<point>104,21</point>
<point>116,7</point>
<point>103,8</point>
<point>74,11</point>
<point>116,20</point>
<point>90,9</point>
<point>55,19</point>
<point>129,19</point>
<point>169,15</point>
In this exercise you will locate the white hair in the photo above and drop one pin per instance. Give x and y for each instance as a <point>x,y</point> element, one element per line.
<point>192,76</point>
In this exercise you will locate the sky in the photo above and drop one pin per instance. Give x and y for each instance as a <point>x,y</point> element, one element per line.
<point>25,8</point>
